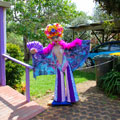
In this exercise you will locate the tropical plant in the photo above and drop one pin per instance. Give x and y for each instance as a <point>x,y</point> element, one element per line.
<point>110,83</point>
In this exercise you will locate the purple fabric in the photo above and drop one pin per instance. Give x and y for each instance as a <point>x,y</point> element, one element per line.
<point>67,87</point>
<point>59,86</point>
<point>62,86</point>
<point>37,45</point>
<point>72,97</point>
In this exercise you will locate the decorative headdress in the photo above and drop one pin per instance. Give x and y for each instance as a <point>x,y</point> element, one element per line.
<point>54,30</point>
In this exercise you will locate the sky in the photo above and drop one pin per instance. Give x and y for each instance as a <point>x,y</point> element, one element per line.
<point>85,5</point>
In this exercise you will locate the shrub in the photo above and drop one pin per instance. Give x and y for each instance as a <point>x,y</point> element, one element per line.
<point>21,87</point>
<point>14,71</point>
<point>15,39</point>
<point>110,83</point>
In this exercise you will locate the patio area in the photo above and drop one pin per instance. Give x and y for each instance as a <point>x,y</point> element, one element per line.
<point>93,105</point>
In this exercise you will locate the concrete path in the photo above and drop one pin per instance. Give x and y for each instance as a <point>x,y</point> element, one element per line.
<point>93,105</point>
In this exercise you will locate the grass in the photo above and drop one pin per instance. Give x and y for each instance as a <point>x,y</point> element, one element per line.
<point>45,84</point>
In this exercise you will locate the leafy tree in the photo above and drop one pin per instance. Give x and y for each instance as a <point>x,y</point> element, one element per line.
<point>29,17</point>
<point>108,25</point>
<point>15,39</point>
<point>100,14</point>
<point>81,19</point>
<point>111,6</point>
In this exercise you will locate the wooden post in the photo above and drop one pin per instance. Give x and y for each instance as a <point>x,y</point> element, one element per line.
<point>3,6</point>
<point>73,35</point>
<point>96,37</point>
<point>103,36</point>
<point>2,45</point>
<point>27,85</point>
<point>82,34</point>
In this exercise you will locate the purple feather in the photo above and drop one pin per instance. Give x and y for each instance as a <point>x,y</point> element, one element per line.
<point>35,44</point>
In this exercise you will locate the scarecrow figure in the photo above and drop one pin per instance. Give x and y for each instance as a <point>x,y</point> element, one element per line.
<point>59,58</point>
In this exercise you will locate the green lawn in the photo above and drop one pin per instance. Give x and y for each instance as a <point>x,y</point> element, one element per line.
<point>44,84</point>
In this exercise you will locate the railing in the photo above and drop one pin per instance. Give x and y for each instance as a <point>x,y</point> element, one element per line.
<point>27,74</point>
<point>3,6</point>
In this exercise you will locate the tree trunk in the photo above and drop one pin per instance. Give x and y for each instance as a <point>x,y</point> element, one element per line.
<point>26,51</point>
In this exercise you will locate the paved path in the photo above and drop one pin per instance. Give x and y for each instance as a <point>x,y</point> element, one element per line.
<point>93,105</point>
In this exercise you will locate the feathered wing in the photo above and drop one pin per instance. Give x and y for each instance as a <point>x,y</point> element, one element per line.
<point>44,64</point>
<point>78,54</point>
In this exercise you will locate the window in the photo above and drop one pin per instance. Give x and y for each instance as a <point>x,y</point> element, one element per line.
<point>103,48</point>
<point>115,47</point>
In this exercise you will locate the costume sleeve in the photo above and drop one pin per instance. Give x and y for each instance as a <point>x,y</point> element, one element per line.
<point>43,63</point>
<point>78,54</point>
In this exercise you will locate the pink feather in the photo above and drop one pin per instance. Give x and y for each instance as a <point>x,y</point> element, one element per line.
<point>63,44</point>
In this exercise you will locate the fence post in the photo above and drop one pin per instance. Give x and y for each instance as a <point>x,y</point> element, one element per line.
<point>2,45</point>
<point>3,6</point>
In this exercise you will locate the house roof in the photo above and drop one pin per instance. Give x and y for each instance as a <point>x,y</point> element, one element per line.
<point>96,26</point>
<point>4,4</point>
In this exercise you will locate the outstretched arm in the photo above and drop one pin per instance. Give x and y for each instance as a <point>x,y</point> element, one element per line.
<point>47,49</point>
<point>70,45</point>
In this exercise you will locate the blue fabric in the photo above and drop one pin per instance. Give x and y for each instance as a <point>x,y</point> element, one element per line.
<point>45,64</point>
<point>54,103</point>
<point>59,96</point>
<point>78,54</point>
